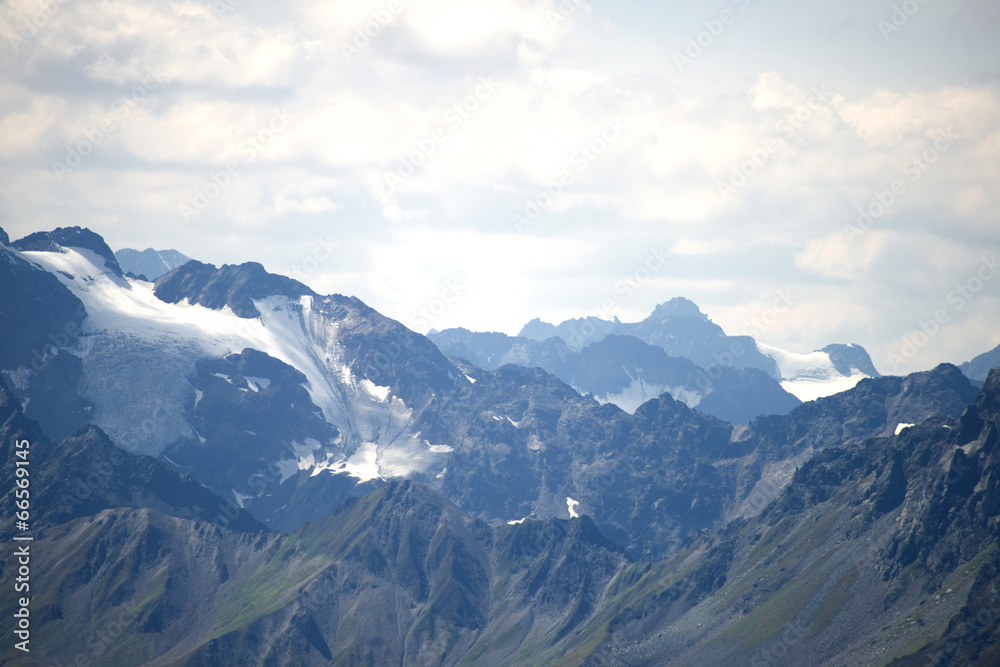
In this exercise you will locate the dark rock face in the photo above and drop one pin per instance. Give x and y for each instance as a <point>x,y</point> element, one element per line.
<point>849,358</point>
<point>248,409</point>
<point>38,315</point>
<point>86,474</point>
<point>876,406</point>
<point>150,263</point>
<point>741,396</point>
<point>52,397</point>
<point>870,546</point>
<point>233,286</point>
<point>389,354</point>
<point>71,237</point>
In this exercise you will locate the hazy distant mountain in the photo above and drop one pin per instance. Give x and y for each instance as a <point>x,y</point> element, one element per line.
<point>678,326</point>
<point>980,367</point>
<point>149,263</point>
<point>627,372</point>
<point>680,329</point>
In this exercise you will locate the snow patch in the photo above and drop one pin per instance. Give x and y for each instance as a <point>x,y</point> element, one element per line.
<point>305,454</point>
<point>514,523</point>
<point>168,339</point>
<point>256,384</point>
<point>571,506</point>
<point>809,390</point>
<point>440,449</point>
<point>223,377</point>
<point>470,379</point>
<point>810,376</point>
<point>288,468</point>
<point>240,498</point>
<point>900,427</point>
<point>631,397</point>
<point>198,395</point>
<point>364,463</point>
<point>381,393</point>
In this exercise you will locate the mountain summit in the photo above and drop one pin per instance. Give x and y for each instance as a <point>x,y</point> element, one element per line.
<point>149,263</point>
<point>677,307</point>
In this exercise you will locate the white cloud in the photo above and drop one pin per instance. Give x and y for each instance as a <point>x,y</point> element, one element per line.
<point>25,121</point>
<point>558,78</point>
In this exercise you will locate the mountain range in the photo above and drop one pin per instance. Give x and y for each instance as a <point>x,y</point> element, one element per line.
<point>233,469</point>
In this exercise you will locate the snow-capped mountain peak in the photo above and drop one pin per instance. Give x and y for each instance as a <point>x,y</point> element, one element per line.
<point>819,373</point>
<point>140,353</point>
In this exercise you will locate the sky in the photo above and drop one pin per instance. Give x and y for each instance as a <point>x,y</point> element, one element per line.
<point>807,172</point>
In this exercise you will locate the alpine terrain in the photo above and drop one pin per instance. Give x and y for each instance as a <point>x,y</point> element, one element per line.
<point>229,468</point>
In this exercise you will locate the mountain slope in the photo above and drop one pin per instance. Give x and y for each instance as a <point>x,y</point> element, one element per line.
<point>347,382</point>
<point>399,576</point>
<point>85,474</point>
<point>876,552</point>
